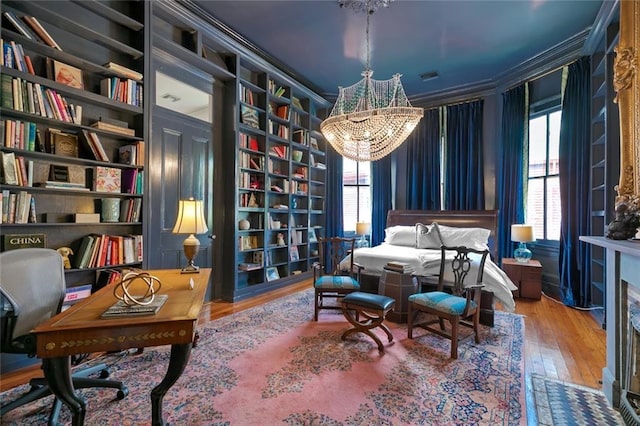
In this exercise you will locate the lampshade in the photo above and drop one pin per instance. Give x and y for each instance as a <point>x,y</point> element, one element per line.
<point>522,233</point>
<point>190,221</point>
<point>363,228</point>
<point>371,118</point>
<point>190,218</point>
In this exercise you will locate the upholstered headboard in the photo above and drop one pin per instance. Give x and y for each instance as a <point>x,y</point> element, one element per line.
<point>487,219</point>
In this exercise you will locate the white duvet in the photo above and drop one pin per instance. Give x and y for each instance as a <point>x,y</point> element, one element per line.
<point>427,262</point>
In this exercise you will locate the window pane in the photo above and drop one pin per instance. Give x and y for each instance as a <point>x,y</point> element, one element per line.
<point>553,215</point>
<point>538,146</point>
<point>349,171</point>
<point>535,207</point>
<point>364,172</point>
<point>365,204</point>
<point>350,208</point>
<point>554,142</point>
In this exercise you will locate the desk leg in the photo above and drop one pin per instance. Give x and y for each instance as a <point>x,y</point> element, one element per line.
<point>177,363</point>
<point>57,372</point>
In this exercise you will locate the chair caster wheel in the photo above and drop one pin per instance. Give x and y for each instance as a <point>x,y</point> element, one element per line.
<point>122,393</point>
<point>105,373</point>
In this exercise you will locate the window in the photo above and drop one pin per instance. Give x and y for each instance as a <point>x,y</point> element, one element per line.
<point>356,194</point>
<point>543,193</point>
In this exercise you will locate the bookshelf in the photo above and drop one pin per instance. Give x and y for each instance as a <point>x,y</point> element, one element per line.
<point>280,188</point>
<point>64,178</point>
<point>605,169</point>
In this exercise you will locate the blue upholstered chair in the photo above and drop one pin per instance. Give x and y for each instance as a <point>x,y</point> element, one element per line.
<point>461,306</point>
<point>329,279</point>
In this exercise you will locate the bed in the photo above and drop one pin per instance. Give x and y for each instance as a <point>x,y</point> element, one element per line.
<point>498,286</point>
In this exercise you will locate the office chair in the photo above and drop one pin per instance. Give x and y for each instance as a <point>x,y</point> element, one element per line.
<point>32,288</point>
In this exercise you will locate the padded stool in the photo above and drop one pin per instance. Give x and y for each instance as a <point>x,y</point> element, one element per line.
<point>373,308</point>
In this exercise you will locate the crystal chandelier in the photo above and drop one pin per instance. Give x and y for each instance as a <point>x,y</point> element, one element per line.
<point>372,117</point>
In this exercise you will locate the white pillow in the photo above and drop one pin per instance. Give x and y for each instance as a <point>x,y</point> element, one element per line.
<point>475,238</point>
<point>400,235</point>
<point>428,236</point>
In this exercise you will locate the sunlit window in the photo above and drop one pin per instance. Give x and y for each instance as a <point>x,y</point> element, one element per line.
<point>356,195</point>
<point>543,194</point>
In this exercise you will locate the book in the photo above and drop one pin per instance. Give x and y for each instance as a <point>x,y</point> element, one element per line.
<point>86,218</point>
<point>42,33</point>
<point>123,71</point>
<point>103,125</point>
<point>107,179</point>
<point>18,241</point>
<point>63,143</point>
<point>127,154</point>
<point>401,267</point>
<point>67,75</point>
<point>19,25</point>
<point>9,170</point>
<point>120,308</point>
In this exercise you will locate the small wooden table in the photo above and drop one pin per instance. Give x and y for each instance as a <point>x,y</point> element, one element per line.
<point>80,329</point>
<point>526,276</point>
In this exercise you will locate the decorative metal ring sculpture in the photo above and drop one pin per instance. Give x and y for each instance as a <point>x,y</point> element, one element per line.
<point>121,290</point>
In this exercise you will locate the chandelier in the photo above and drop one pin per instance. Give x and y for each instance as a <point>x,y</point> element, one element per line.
<point>372,117</point>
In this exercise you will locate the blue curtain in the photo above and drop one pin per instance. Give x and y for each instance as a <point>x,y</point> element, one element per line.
<point>381,201</point>
<point>423,163</point>
<point>464,176</point>
<point>574,185</point>
<point>333,201</point>
<point>511,171</point>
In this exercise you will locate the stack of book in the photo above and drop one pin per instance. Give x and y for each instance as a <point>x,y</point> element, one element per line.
<point>400,267</point>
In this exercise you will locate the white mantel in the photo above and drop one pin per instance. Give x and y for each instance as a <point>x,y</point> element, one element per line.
<point>623,270</point>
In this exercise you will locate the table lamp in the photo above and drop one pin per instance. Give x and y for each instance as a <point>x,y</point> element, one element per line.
<point>522,234</point>
<point>363,230</point>
<point>190,221</point>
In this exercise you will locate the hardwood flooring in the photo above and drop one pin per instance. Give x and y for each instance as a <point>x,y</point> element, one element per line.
<point>561,342</point>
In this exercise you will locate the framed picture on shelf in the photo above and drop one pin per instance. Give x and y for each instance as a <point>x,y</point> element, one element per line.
<point>294,255</point>
<point>250,116</point>
<point>272,273</point>
<point>312,236</point>
<point>67,75</point>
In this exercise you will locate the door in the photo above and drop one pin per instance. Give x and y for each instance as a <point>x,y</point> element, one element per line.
<point>181,164</point>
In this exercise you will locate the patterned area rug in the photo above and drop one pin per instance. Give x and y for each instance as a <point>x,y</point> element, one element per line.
<point>560,403</point>
<point>274,365</point>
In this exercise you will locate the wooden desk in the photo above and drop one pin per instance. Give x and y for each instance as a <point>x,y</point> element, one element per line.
<point>80,329</point>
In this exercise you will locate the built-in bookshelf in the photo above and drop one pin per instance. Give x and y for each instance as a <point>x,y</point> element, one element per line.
<point>280,178</point>
<point>605,160</point>
<point>72,141</point>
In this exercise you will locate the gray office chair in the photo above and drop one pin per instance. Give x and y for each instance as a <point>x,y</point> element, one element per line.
<point>32,288</point>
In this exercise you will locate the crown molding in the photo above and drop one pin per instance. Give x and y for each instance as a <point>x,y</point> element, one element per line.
<point>608,11</point>
<point>465,92</point>
<point>246,46</point>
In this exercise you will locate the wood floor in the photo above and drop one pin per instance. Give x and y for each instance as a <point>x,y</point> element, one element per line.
<point>561,342</point>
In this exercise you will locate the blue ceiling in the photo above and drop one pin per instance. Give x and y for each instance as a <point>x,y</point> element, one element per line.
<point>464,41</point>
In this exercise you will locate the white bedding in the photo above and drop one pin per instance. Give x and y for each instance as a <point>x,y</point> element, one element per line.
<point>427,262</point>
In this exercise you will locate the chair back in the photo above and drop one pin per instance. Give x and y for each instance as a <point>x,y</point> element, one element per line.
<point>32,286</point>
<point>460,266</point>
<point>332,250</point>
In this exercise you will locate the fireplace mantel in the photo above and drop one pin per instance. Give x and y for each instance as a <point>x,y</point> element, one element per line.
<point>622,279</point>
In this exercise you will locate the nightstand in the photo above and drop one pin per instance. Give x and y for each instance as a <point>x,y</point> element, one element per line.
<point>526,276</point>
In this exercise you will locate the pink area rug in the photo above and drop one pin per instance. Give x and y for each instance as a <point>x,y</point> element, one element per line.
<point>273,365</point>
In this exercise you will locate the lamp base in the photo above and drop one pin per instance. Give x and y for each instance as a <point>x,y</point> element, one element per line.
<point>191,247</point>
<point>362,242</point>
<point>522,254</point>
<point>190,269</point>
